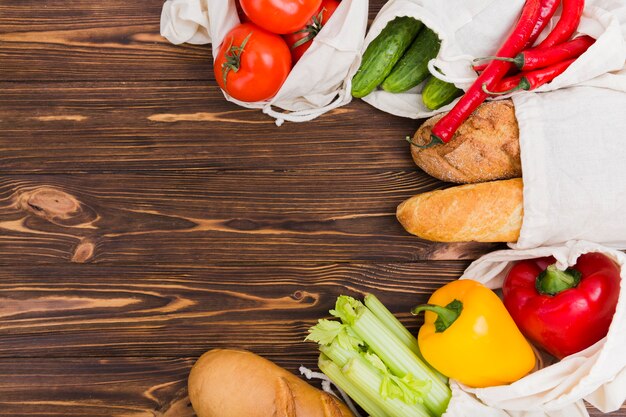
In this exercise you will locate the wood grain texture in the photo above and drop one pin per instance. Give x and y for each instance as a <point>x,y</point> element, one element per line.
<point>95,387</point>
<point>144,219</point>
<point>84,40</point>
<point>109,387</point>
<point>83,310</point>
<point>222,216</point>
<point>81,127</point>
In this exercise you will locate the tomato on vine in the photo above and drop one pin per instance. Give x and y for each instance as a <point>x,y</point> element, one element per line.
<point>280,16</point>
<point>252,64</point>
<point>300,41</point>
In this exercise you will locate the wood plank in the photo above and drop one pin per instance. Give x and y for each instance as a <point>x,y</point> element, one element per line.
<point>87,127</point>
<point>95,387</point>
<point>89,310</point>
<point>85,40</point>
<point>69,330</point>
<point>220,216</point>
<point>107,387</point>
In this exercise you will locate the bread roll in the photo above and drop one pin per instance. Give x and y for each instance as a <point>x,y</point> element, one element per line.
<point>238,383</point>
<point>486,212</point>
<point>485,148</point>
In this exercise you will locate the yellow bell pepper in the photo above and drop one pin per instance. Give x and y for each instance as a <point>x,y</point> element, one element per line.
<point>468,335</point>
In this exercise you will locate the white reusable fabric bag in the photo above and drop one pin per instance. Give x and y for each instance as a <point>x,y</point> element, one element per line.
<point>597,374</point>
<point>480,28</point>
<point>571,140</point>
<point>318,83</point>
<point>573,152</point>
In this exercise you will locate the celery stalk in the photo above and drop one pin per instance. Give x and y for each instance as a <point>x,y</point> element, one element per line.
<point>407,389</point>
<point>359,372</point>
<point>399,358</point>
<point>376,341</point>
<point>392,323</point>
<point>337,354</point>
<point>364,399</point>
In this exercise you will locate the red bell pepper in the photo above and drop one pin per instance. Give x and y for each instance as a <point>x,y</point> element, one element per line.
<point>567,311</point>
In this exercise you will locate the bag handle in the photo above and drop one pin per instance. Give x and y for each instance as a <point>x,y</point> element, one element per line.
<point>434,70</point>
<point>326,387</point>
<point>308,114</point>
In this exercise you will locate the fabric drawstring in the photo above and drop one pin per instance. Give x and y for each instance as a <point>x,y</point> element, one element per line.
<point>326,387</point>
<point>201,21</point>
<point>432,67</point>
<point>308,114</point>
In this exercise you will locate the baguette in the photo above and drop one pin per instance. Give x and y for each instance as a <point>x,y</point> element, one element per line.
<point>486,212</point>
<point>485,147</point>
<point>238,383</point>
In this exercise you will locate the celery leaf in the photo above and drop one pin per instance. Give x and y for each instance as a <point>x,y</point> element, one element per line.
<point>326,332</point>
<point>348,339</point>
<point>407,389</point>
<point>375,360</point>
<point>346,309</point>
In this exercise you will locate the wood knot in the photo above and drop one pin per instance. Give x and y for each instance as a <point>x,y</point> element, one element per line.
<point>54,205</point>
<point>305,297</point>
<point>83,251</point>
<point>49,202</point>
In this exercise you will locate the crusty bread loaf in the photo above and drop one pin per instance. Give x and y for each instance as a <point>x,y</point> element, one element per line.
<point>238,383</point>
<point>485,212</point>
<point>485,147</point>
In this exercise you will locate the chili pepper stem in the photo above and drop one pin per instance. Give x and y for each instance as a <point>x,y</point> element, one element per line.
<point>523,85</point>
<point>434,140</point>
<point>553,281</point>
<point>446,315</point>
<point>518,60</point>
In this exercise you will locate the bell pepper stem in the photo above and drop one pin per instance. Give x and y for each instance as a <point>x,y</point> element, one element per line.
<point>553,281</point>
<point>446,315</point>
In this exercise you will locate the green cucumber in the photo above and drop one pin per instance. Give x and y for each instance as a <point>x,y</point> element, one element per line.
<point>382,54</point>
<point>437,93</point>
<point>412,68</point>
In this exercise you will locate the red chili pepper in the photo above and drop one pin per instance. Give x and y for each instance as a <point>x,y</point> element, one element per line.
<point>529,80</point>
<point>563,312</point>
<point>535,58</point>
<point>445,128</point>
<point>548,8</point>
<point>509,84</point>
<point>567,24</point>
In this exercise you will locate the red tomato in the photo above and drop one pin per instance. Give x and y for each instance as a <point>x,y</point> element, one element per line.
<point>242,16</point>
<point>301,40</point>
<point>252,64</point>
<point>280,16</point>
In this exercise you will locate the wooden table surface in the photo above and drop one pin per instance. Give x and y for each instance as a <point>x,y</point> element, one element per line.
<point>145,220</point>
